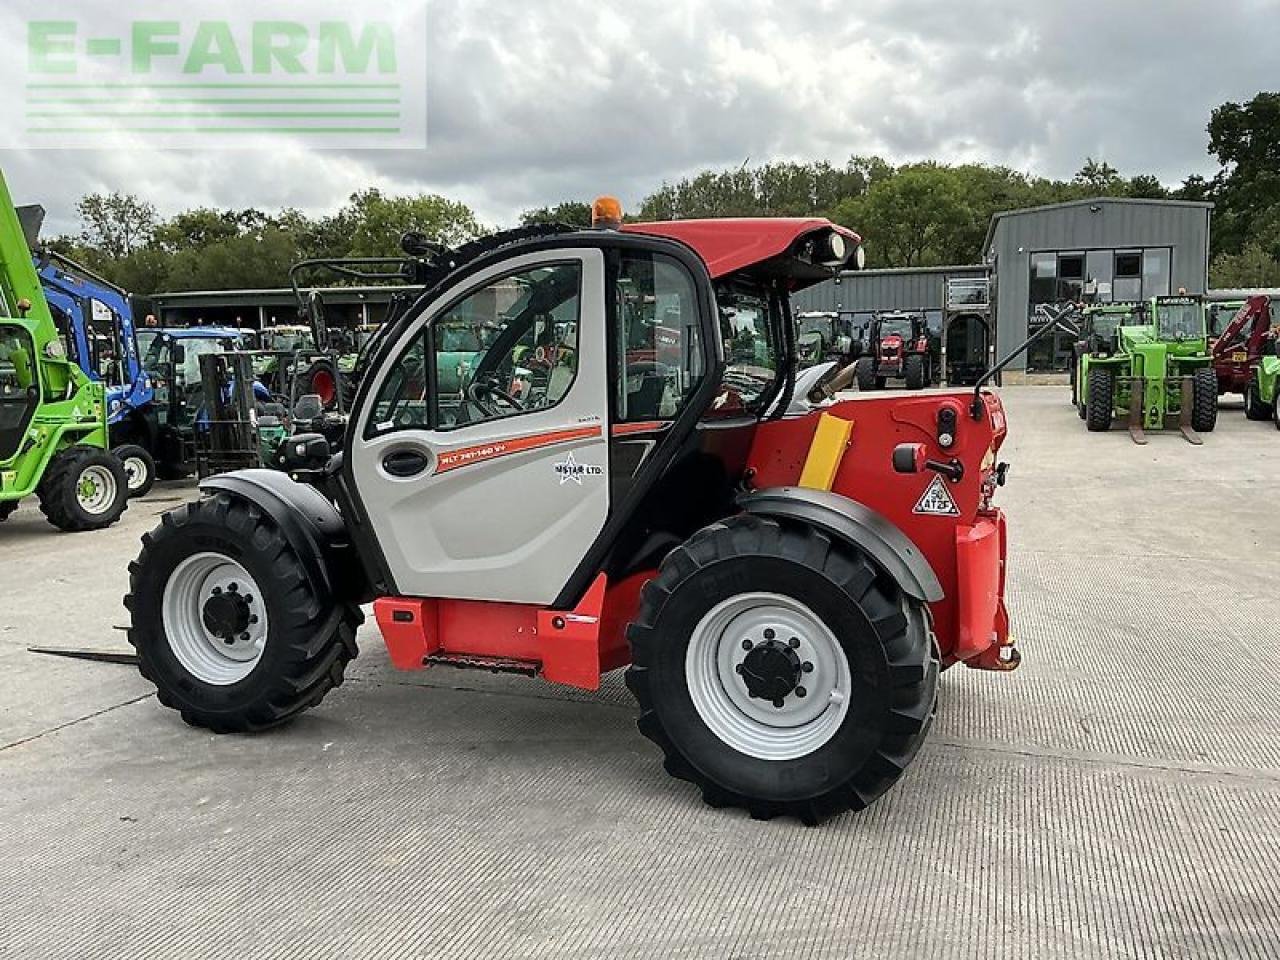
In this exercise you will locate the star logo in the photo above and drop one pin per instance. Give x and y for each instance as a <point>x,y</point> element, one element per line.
<point>571,471</point>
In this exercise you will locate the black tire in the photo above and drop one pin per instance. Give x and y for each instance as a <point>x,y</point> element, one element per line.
<point>1075,377</point>
<point>1101,400</point>
<point>865,374</point>
<point>885,635</point>
<point>7,509</point>
<point>139,467</point>
<point>1254,408</point>
<point>913,372</point>
<point>1204,400</point>
<point>60,490</point>
<point>310,637</point>
<point>1275,413</point>
<point>320,379</point>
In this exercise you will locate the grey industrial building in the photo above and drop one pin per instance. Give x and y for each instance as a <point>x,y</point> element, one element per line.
<point>1102,250</point>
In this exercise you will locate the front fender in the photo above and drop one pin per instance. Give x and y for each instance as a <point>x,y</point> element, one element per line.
<point>311,523</point>
<point>856,524</point>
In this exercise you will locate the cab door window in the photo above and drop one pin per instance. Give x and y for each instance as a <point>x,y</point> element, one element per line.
<point>504,350</point>
<point>658,352</point>
<point>746,325</point>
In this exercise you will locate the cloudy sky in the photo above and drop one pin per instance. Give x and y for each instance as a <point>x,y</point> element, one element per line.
<point>534,101</point>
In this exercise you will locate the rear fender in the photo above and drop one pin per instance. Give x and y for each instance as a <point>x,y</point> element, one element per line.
<point>855,524</point>
<point>310,523</point>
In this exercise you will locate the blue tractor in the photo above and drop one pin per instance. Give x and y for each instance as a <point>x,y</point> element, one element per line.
<point>95,319</point>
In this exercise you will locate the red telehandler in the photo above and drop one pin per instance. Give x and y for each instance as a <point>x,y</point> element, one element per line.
<point>1236,354</point>
<point>632,474</point>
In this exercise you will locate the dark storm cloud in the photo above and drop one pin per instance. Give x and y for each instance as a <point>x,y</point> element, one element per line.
<point>531,103</point>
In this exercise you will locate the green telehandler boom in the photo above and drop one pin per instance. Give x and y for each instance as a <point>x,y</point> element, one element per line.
<point>53,417</point>
<point>1152,367</point>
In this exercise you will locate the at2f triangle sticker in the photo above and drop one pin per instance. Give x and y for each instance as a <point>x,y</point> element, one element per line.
<point>937,501</point>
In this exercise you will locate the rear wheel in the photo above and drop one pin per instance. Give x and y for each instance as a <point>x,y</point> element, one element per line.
<point>913,372</point>
<point>7,509</point>
<point>1254,408</point>
<point>1101,400</point>
<point>780,671</point>
<point>321,381</point>
<point>228,625</point>
<point>865,374</point>
<point>139,468</point>
<point>83,488</point>
<point>1204,400</point>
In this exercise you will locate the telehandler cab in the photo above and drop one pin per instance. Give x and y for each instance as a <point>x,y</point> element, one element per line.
<point>53,416</point>
<point>633,473</point>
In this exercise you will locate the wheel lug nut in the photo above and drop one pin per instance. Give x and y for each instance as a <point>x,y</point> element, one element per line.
<point>779,704</point>
<point>807,667</point>
<point>244,638</point>
<point>738,668</point>
<point>229,641</point>
<point>233,587</point>
<point>747,645</point>
<point>801,692</point>
<point>217,591</point>
<point>795,643</point>
<point>248,598</point>
<point>769,634</point>
<point>253,618</point>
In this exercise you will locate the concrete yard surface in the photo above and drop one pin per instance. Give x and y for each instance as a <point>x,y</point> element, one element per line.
<point>1119,796</point>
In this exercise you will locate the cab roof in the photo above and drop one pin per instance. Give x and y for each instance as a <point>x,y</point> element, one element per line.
<point>732,244</point>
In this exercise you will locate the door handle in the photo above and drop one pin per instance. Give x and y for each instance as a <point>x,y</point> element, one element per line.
<point>405,463</point>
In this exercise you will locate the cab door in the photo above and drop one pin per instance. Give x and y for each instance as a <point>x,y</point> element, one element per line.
<point>480,451</point>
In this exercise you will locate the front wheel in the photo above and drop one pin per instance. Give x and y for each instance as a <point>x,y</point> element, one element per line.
<point>865,373</point>
<point>913,373</point>
<point>780,671</point>
<point>139,468</point>
<point>1254,408</point>
<point>1204,400</point>
<point>228,625</point>
<point>1101,400</point>
<point>83,488</point>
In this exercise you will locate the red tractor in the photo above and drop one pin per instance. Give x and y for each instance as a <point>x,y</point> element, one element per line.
<point>783,575</point>
<point>898,349</point>
<point>1238,351</point>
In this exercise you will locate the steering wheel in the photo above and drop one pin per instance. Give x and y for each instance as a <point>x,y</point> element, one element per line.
<point>479,390</point>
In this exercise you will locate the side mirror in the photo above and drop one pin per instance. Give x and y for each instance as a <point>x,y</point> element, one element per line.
<point>305,451</point>
<point>909,458</point>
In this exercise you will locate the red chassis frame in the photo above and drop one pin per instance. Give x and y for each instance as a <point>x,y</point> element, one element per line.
<point>965,549</point>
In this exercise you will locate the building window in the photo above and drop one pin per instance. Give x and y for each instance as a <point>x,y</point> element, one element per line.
<point>1128,282</point>
<point>1070,277</point>
<point>1099,275</point>
<point>1155,273</point>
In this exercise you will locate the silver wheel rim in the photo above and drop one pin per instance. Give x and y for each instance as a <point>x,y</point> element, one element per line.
<point>136,471</point>
<point>96,490</point>
<point>212,657</point>
<point>717,652</point>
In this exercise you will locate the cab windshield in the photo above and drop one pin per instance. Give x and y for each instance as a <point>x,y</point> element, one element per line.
<point>1179,320</point>
<point>288,341</point>
<point>895,326</point>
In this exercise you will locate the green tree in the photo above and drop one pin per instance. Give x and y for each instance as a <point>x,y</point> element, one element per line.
<point>115,223</point>
<point>1099,178</point>
<point>1250,268</point>
<point>573,212</point>
<point>910,219</point>
<point>372,223</point>
<point>1245,138</point>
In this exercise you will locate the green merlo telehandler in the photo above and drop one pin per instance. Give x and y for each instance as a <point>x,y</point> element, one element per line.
<point>53,417</point>
<point>1150,364</point>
